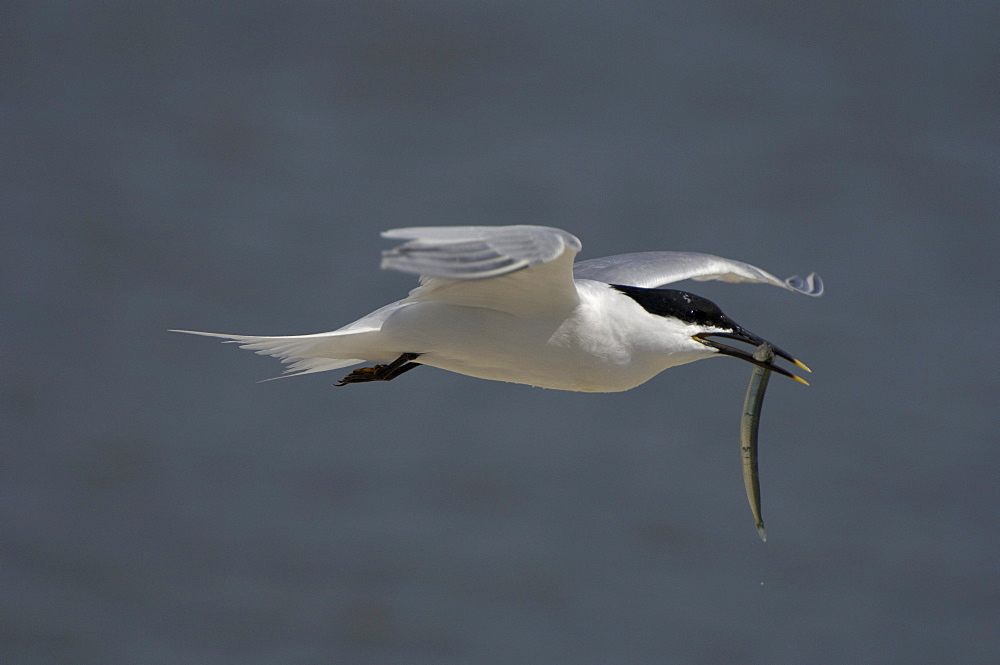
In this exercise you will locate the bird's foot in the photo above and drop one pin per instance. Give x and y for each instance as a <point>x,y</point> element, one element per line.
<point>381,372</point>
<point>363,374</point>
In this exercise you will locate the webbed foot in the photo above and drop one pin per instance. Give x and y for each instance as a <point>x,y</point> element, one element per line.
<point>383,372</point>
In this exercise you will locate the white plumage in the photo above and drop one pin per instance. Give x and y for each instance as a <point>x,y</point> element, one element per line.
<point>507,303</point>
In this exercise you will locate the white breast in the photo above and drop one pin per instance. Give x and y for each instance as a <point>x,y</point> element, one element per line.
<point>608,343</point>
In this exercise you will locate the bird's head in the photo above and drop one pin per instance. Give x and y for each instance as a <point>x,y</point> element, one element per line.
<point>705,320</point>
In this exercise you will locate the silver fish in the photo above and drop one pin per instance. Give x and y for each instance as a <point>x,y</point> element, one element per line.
<point>749,425</point>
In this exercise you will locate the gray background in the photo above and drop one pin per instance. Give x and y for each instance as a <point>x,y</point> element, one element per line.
<point>228,168</point>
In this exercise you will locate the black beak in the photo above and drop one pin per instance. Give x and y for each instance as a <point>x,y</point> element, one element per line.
<point>741,335</point>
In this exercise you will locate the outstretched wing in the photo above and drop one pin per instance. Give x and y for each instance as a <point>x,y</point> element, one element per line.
<point>521,270</point>
<point>653,269</point>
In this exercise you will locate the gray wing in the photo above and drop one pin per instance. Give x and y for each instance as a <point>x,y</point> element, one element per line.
<point>653,269</point>
<point>522,270</point>
<point>475,252</point>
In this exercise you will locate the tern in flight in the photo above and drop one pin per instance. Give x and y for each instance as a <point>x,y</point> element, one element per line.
<point>508,303</point>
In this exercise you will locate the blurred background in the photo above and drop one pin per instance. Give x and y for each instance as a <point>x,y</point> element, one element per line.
<point>228,167</point>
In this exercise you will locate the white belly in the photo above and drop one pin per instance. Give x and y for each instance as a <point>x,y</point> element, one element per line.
<point>565,354</point>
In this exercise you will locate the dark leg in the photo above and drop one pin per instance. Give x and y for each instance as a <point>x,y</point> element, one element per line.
<point>382,372</point>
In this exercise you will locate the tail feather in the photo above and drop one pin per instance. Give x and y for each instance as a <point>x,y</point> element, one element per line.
<point>304,354</point>
<point>320,352</point>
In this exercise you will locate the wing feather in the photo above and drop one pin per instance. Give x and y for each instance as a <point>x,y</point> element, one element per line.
<point>654,269</point>
<point>521,270</point>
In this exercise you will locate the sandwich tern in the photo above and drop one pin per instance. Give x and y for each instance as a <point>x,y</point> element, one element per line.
<point>508,303</point>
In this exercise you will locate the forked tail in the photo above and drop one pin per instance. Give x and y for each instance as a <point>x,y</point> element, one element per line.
<point>304,354</point>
